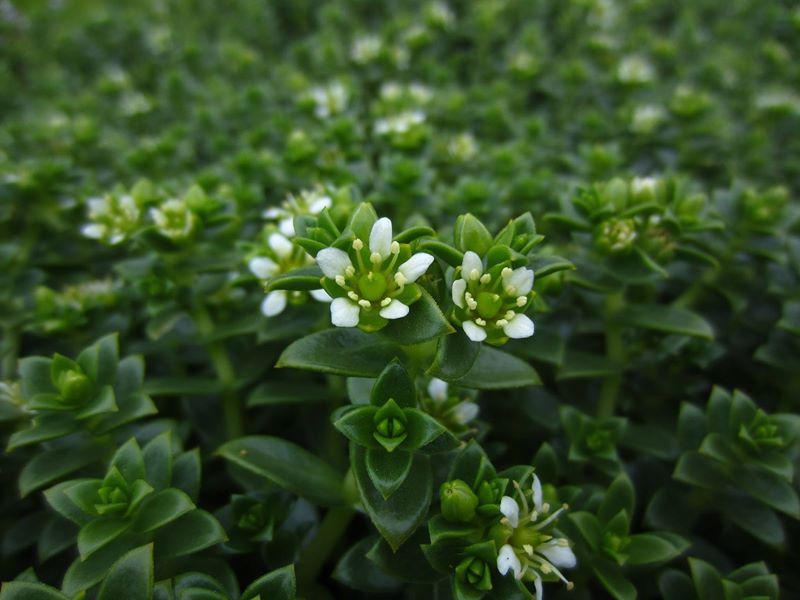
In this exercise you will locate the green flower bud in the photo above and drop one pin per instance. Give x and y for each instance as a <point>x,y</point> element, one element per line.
<point>615,236</point>
<point>74,387</point>
<point>254,518</point>
<point>490,492</point>
<point>475,572</point>
<point>458,501</point>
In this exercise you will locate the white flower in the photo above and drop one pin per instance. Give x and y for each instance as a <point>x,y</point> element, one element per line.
<point>329,100</point>
<point>510,510</point>
<point>414,267</point>
<point>344,313</point>
<point>400,123</point>
<point>641,185</point>
<point>394,310</point>
<point>280,245</point>
<point>320,295</point>
<point>475,332</point>
<point>464,412</point>
<point>380,238</point>
<point>263,267</point>
<point>437,390</point>
<point>174,219</point>
<point>518,282</point>
<point>508,560</point>
<point>334,262</point>
<point>307,202</point>
<point>274,303</point>
<point>366,48</point>
<point>635,69</point>
<point>113,218</point>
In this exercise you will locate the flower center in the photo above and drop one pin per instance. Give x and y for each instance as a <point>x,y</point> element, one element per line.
<point>372,286</point>
<point>489,304</point>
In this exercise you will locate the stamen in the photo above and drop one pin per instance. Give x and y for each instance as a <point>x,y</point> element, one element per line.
<point>353,296</point>
<point>365,304</point>
<point>480,322</point>
<point>341,281</point>
<point>400,279</point>
<point>349,271</point>
<point>521,301</point>
<point>357,244</point>
<point>395,248</point>
<point>375,258</point>
<point>474,275</point>
<point>521,493</point>
<point>549,519</point>
<point>501,322</point>
<point>486,278</point>
<point>528,549</point>
<point>506,272</point>
<point>386,302</point>
<point>511,290</point>
<point>510,315</point>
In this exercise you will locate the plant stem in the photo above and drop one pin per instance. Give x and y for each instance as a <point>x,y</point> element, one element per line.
<point>330,531</point>
<point>615,352</point>
<point>231,406</point>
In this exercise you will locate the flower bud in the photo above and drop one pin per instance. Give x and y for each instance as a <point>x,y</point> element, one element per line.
<point>458,501</point>
<point>74,386</point>
<point>475,572</point>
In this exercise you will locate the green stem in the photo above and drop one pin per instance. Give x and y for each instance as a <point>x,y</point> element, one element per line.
<point>615,352</point>
<point>231,406</point>
<point>330,531</point>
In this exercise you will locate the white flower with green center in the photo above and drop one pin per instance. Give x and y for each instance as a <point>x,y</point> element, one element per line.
<point>174,219</point>
<point>307,202</point>
<point>113,218</point>
<point>527,548</point>
<point>366,48</point>
<point>447,408</point>
<point>399,124</point>
<point>281,256</point>
<point>368,286</point>
<point>490,305</point>
<point>329,100</point>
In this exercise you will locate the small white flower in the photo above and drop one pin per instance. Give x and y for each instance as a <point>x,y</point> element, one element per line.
<point>464,412</point>
<point>519,327</point>
<point>280,244</point>
<point>415,266</point>
<point>366,48</point>
<point>344,313</point>
<point>510,510</point>
<point>558,553</point>
<point>471,266</point>
<point>508,560</point>
<point>538,496</point>
<point>94,231</point>
<point>437,390</point>
<point>518,282</point>
<point>641,185</point>
<point>274,303</point>
<point>380,238</point>
<point>320,295</point>
<point>173,219</point>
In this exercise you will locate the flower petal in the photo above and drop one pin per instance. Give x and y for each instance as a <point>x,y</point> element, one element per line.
<point>287,227</point>
<point>507,559</point>
<point>321,295</point>
<point>437,389</point>
<point>380,238</point>
<point>280,245</point>
<point>333,262</point>
<point>415,266</point>
<point>459,287</point>
<point>537,586</point>
<point>263,267</point>
<point>93,230</point>
<point>471,263</point>
<point>344,313</point>
<point>394,310</point>
<point>536,488</point>
<point>465,412</point>
<point>474,332</point>
<point>274,303</point>
<point>319,204</point>
<point>273,212</point>
<point>519,327</point>
<point>510,510</point>
<point>520,280</point>
<point>561,556</point>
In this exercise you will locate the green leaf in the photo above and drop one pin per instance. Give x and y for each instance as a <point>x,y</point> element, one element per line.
<point>388,470</point>
<point>99,533</point>
<point>442,251</point>
<point>394,382</point>
<point>44,428</point>
<point>277,585</point>
<point>408,563</point>
<point>666,319</point>
<point>194,531</point>
<point>583,365</point>
<point>305,279</point>
<point>288,392</point>
<point>288,466</point>
<point>699,470</point>
<point>58,498</point>
<point>340,351</point>
<point>157,456</point>
<point>84,574</point>
<point>355,571</point>
<point>772,490</point>
<point>357,424</point>
<point>161,508</point>
<point>99,361</point>
<point>652,548</point>
<point>23,590</point>
<point>707,580</point>
<point>398,517</point>
<point>547,264</point>
<point>424,322</point>
<point>128,459</point>
<point>104,402</point>
<point>455,355</point>
<point>54,464</point>
<point>186,473</point>
<point>675,585</point>
<point>620,496</point>
<point>35,374</point>
<point>130,577</point>
<point>426,433</point>
<point>497,370</point>
<point>413,233</point>
<point>612,578</point>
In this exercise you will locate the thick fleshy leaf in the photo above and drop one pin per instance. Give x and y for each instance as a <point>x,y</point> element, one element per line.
<point>497,370</point>
<point>613,579</point>
<point>455,356</point>
<point>54,464</point>
<point>130,577</point>
<point>654,548</point>
<point>358,425</point>
<point>388,470</point>
<point>667,319</point>
<point>99,533</point>
<point>194,531</point>
<point>277,585</point>
<point>341,352</point>
<point>620,496</point>
<point>426,433</point>
<point>287,465</point>
<point>394,382</point>
<point>128,459</point>
<point>157,456</point>
<point>424,322</point>
<point>285,392</point>
<point>398,517</point>
<point>305,279</point>
<point>357,572</point>
<point>24,590</point>
<point>161,508</point>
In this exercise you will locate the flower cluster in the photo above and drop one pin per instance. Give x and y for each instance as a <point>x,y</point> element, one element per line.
<point>114,217</point>
<point>372,283</point>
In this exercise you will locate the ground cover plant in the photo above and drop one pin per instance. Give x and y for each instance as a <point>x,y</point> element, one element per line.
<point>492,299</point>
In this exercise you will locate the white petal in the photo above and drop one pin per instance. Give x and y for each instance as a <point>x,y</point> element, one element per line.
<point>287,227</point>
<point>273,212</point>
<point>94,231</point>
<point>472,262</point>
<point>344,313</point>
<point>333,262</point>
<point>437,389</point>
<point>465,412</point>
<point>473,331</point>
<point>459,287</point>
<point>395,310</point>
<point>510,510</point>
<point>520,279</point>
<point>280,244</point>
<point>263,267</point>
<point>319,204</point>
<point>537,585</point>
<point>537,493</point>
<point>320,295</point>
<point>561,556</point>
<point>274,303</point>
<point>380,238</point>
<point>506,559</point>
<point>519,327</point>
<point>415,266</point>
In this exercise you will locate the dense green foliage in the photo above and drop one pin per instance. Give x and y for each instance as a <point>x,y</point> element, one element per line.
<point>269,275</point>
